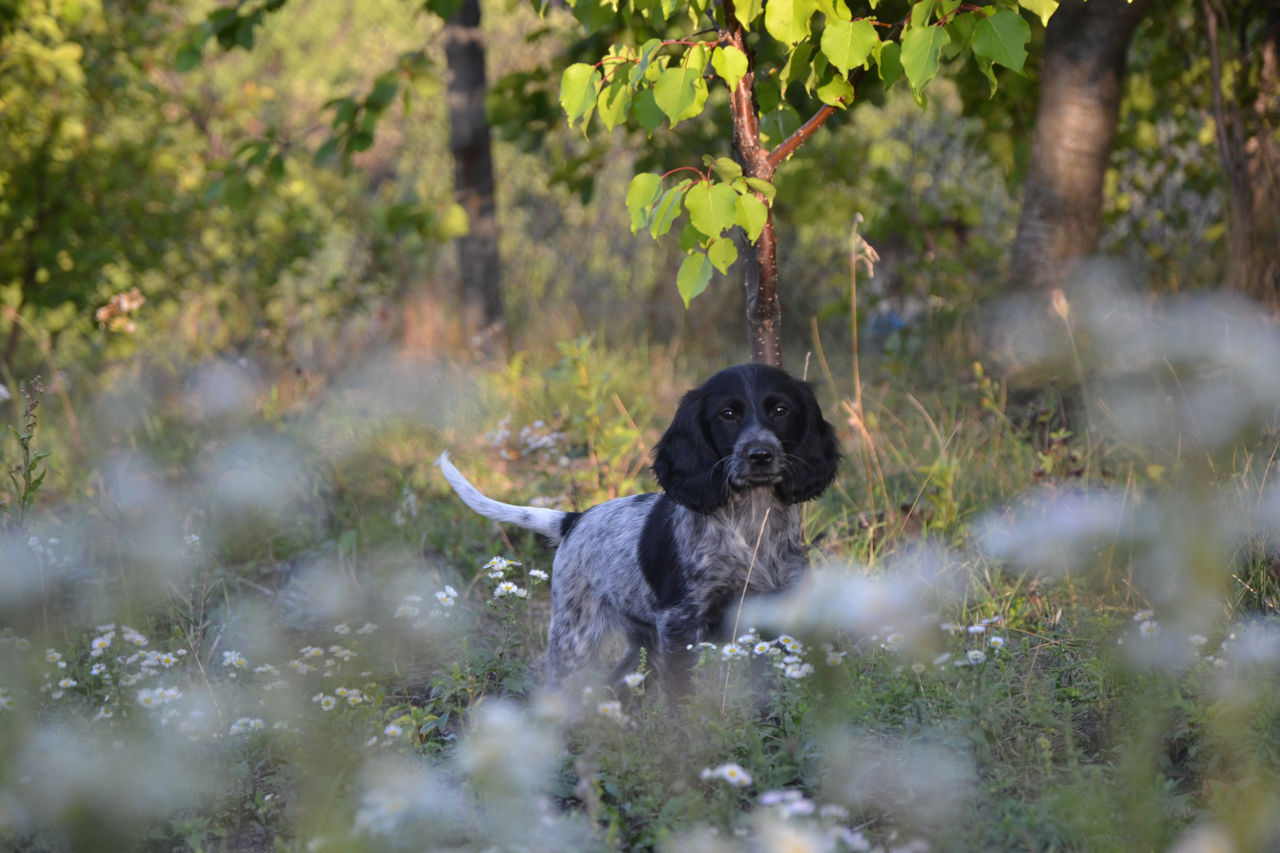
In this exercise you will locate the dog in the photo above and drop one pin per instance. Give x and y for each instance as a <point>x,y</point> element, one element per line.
<point>666,570</point>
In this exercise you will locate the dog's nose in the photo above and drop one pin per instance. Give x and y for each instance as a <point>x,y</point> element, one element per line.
<point>760,454</point>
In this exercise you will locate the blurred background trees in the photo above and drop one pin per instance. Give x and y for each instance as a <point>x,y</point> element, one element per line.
<point>296,198</point>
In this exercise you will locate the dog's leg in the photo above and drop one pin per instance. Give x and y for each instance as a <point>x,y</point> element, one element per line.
<point>680,630</point>
<point>574,637</point>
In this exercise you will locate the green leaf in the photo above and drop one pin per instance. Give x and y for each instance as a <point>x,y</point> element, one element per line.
<point>836,92</point>
<point>326,150</point>
<point>696,57</point>
<point>691,238</point>
<point>613,102</point>
<point>361,140</point>
<point>578,88</point>
<point>646,110</point>
<point>188,58</point>
<point>384,91</point>
<point>594,14</point>
<point>730,63</point>
<point>848,44</point>
<point>834,10</point>
<point>642,192</point>
<point>727,169</point>
<point>889,63</point>
<point>797,67</point>
<point>747,11</point>
<point>788,20</point>
<point>765,188</point>
<point>752,214</point>
<point>667,209</point>
<point>921,47</point>
<point>1003,38</point>
<point>680,93</point>
<point>444,8</point>
<point>1043,8</point>
<point>712,207</point>
<point>777,125</point>
<point>722,254</point>
<point>694,276</point>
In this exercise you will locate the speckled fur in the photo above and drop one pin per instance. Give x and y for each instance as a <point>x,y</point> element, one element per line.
<point>668,570</point>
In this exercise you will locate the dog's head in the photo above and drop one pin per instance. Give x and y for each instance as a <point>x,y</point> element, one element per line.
<point>749,426</point>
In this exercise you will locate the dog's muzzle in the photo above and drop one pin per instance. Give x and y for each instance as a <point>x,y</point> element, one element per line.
<point>756,461</point>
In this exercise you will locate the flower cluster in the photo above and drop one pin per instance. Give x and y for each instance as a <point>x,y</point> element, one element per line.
<point>788,651</point>
<point>507,588</point>
<point>534,438</point>
<point>245,725</point>
<point>978,633</point>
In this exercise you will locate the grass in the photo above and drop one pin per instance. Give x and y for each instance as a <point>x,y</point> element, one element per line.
<point>274,628</point>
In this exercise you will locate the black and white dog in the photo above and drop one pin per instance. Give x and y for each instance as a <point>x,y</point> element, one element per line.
<point>668,570</point>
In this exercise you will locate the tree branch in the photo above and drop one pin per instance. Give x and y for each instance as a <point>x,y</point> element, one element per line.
<point>817,120</point>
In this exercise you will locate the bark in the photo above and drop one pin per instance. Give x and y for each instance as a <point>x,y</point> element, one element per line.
<point>1081,82</point>
<point>1245,137</point>
<point>760,274</point>
<point>479,263</point>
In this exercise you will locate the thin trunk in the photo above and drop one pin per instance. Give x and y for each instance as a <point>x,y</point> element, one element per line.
<point>760,273</point>
<point>1081,82</point>
<point>1245,133</point>
<point>479,264</point>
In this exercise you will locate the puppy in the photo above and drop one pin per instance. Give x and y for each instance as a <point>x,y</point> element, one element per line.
<point>668,570</point>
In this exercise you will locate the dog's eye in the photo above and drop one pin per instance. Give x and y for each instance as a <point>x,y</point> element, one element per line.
<point>780,410</point>
<point>728,414</point>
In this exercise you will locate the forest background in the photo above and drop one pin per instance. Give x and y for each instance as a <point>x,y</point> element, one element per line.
<point>255,274</point>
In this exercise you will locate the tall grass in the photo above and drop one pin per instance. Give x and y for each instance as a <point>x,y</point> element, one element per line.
<point>263,623</point>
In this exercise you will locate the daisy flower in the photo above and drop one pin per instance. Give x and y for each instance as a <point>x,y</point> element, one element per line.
<point>976,656</point>
<point>798,670</point>
<point>732,773</point>
<point>633,679</point>
<point>613,710</point>
<point>507,588</point>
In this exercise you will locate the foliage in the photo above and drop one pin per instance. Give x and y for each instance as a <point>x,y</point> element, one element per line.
<point>759,53</point>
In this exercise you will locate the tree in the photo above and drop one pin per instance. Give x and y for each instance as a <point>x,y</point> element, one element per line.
<point>479,262</point>
<point>1244,55</point>
<point>1081,83</point>
<point>355,123</point>
<point>762,56</point>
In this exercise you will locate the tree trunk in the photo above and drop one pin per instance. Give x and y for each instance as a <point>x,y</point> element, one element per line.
<point>479,264</point>
<point>760,268</point>
<point>1081,81</point>
<point>1245,129</point>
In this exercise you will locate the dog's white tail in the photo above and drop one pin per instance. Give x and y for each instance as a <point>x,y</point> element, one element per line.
<point>538,519</point>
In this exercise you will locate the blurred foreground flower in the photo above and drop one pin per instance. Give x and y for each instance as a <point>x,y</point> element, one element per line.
<point>729,772</point>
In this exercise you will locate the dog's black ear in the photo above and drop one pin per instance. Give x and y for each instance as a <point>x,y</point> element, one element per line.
<point>813,462</point>
<point>685,461</point>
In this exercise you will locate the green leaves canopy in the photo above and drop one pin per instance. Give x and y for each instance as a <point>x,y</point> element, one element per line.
<point>818,44</point>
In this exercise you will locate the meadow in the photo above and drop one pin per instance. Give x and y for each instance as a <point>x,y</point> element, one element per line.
<point>1035,621</point>
<point>240,609</point>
